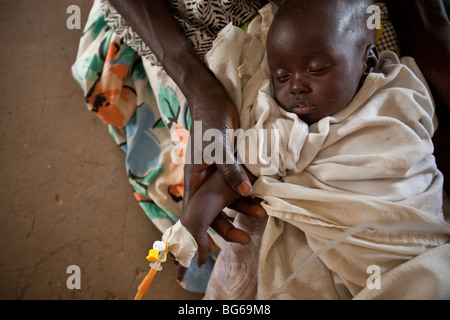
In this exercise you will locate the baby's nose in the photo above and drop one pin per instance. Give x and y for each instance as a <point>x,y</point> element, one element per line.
<point>300,85</point>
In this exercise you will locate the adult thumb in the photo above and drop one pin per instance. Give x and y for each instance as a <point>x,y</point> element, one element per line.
<point>236,177</point>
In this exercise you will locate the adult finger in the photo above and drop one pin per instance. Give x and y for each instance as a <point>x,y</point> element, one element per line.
<point>229,232</point>
<point>249,206</point>
<point>235,175</point>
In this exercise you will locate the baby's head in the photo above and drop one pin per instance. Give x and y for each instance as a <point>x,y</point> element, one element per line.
<point>319,53</point>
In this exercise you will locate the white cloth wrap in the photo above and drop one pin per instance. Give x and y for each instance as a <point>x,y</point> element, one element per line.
<point>181,243</point>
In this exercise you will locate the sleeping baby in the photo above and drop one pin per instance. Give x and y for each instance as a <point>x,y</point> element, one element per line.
<point>353,145</point>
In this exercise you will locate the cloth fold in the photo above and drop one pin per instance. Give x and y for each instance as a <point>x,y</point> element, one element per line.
<point>370,162</point>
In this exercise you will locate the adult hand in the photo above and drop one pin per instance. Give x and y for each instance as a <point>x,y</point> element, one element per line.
<point>214,115</point>
<point>214,110</point>
<point>208,101</point>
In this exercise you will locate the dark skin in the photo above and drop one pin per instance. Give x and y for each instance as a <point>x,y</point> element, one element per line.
<point>201,212</point>
<point>154,22</point>
<point>315,73</point>
<point>156,26</point>
<point>308,63</point>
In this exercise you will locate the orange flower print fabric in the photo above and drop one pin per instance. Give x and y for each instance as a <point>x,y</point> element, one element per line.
<point>113,102</point>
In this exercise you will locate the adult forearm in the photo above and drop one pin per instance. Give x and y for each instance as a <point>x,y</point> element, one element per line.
<point>207,99</point>
<point>154,22</point>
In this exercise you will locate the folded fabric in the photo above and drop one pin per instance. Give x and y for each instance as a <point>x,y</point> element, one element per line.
<point>370,162</point>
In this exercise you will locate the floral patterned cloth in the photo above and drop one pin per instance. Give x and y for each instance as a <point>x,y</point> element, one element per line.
<point>141,117</point>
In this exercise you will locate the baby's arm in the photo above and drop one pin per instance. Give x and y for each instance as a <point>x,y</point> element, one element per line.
<point>209,200</point>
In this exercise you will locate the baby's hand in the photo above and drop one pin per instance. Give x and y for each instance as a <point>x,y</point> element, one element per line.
<point>204,243</point>
<point>204,210</point>
<point>198,228</point>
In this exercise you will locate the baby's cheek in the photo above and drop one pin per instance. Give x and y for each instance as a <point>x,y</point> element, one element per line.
<point>282,97</point>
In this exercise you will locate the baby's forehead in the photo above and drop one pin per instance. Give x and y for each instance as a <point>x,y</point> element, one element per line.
<point>345,19</point>
<point>332,16</point>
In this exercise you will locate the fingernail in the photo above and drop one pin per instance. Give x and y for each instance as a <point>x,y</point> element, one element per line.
<point>244,188</point>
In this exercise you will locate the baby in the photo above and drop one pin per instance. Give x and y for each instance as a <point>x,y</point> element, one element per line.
<point>357,135</point>
<point>319,55</point>
<point>318,65</point>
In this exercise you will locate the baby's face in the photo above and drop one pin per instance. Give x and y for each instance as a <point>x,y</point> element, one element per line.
<point>315,72</point>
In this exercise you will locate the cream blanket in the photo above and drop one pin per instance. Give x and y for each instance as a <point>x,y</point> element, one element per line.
<point>369,163</point>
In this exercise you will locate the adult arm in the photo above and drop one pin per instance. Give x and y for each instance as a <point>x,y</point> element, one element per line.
<point>208,101</point>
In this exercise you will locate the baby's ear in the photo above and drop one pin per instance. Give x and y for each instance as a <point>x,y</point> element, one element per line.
<point>371,59</point>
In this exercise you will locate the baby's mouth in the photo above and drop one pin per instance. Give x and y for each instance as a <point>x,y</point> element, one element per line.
<point>302,109</point>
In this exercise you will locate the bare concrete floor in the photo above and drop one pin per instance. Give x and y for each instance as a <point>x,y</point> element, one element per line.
<point>64,195</point>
